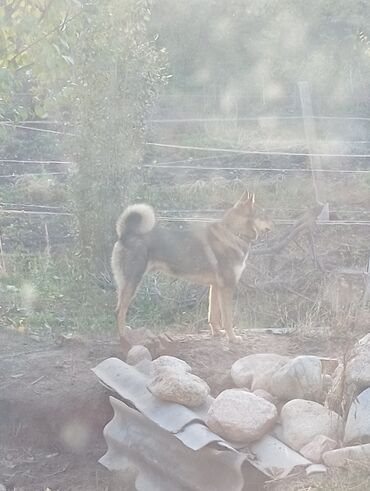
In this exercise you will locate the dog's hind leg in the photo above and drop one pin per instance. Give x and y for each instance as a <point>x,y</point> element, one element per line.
<point>125,295</point>
<point>226,305</point>
<point>132,270</point>
<point>214,312</point>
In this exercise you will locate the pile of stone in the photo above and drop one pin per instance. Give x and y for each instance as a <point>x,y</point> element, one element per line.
<point>320,412</point>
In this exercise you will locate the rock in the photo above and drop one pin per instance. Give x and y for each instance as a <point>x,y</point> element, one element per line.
<point>137,354</point>
<point>336,393</point>
<point>175,385</point>
<point>300,378</point>
<point>302,420</point>
<point>358,367</point>
<point>165,362</point>
<point>327,383</point>
<point>241,416</point>
<point>351,377</point>
<point>316,469</point>
<point>265,395</point>
<point>329,365</point>
<point>316,447</point>
<point>343,456</point>
<point>357,429</point>
<point>254,371</point>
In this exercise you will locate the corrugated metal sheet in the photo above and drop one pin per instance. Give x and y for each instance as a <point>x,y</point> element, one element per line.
<point>163,462</point>
<point>274,458</point>
<point>131,385</point>
<point>171,445</point>
<point>196,436</point>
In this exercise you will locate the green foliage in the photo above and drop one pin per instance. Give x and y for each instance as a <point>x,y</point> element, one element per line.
<point>35,61</point>
<point>118,72</point>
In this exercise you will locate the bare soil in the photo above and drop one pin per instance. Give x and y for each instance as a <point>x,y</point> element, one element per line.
<point>53,409</point>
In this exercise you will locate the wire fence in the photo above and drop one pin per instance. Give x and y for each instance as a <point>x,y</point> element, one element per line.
<point>280,117</point>
<point>254,118</point>
<point>31,128</point>
<point>256,169</point>
<point>38,210</point>
<point>258,152</point>
<point>35,162</point>
<point>28,205</point>
<point>4,211</point>
<point>187,219</point>
<point>32,174</point>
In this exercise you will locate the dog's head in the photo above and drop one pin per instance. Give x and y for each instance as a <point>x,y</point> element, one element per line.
<point>250,219</point>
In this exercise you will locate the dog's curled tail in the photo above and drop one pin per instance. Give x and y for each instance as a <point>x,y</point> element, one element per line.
<point>136,219</point>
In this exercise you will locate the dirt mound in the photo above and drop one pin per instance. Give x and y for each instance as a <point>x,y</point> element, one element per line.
<point>53,409</point>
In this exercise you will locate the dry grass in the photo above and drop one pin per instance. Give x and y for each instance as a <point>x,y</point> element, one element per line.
<point>40,190</point>
<point>354,478</point>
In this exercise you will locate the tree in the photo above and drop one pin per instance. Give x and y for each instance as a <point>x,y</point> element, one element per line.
<point>117,73</point>
<point>92,61</point>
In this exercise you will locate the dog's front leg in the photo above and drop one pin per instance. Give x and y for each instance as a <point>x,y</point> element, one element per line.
<point>214,311</point>
<point>226,305</point>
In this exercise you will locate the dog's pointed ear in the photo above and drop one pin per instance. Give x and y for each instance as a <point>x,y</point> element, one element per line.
<point>243,198</point>
<point>246,200</point>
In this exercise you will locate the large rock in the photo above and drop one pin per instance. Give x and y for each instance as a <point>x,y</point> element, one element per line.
<point>137,354</point>
<point>174,385</point>
<point>241,416</point>
<point>314,450</point>
<point>254,371</point>
<point>336,396</point>
<point>357,429</point>
<point>351,377</point>
<point>165,362</point>
<point>358,366</point>
<point>347,455</point>
<point>300,378</point>
<point>301,421</point>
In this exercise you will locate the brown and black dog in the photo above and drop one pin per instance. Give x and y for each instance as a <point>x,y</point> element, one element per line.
<point>214,255</point>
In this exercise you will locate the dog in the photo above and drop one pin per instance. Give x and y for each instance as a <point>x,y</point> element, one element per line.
<point>213,255</point>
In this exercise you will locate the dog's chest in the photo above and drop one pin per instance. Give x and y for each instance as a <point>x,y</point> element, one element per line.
<point>239,267</point>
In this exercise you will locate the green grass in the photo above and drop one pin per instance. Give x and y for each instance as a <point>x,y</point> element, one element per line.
<point>54,295</point>
<point>58,294</point>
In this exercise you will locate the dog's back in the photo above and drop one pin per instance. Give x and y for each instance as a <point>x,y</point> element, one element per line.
<point>144,245</point>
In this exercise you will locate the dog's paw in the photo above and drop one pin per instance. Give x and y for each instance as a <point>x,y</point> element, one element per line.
<point>236,339</point>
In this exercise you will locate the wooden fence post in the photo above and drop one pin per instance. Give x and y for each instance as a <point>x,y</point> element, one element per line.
<point>366,295</point>
<point>311,139</point>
